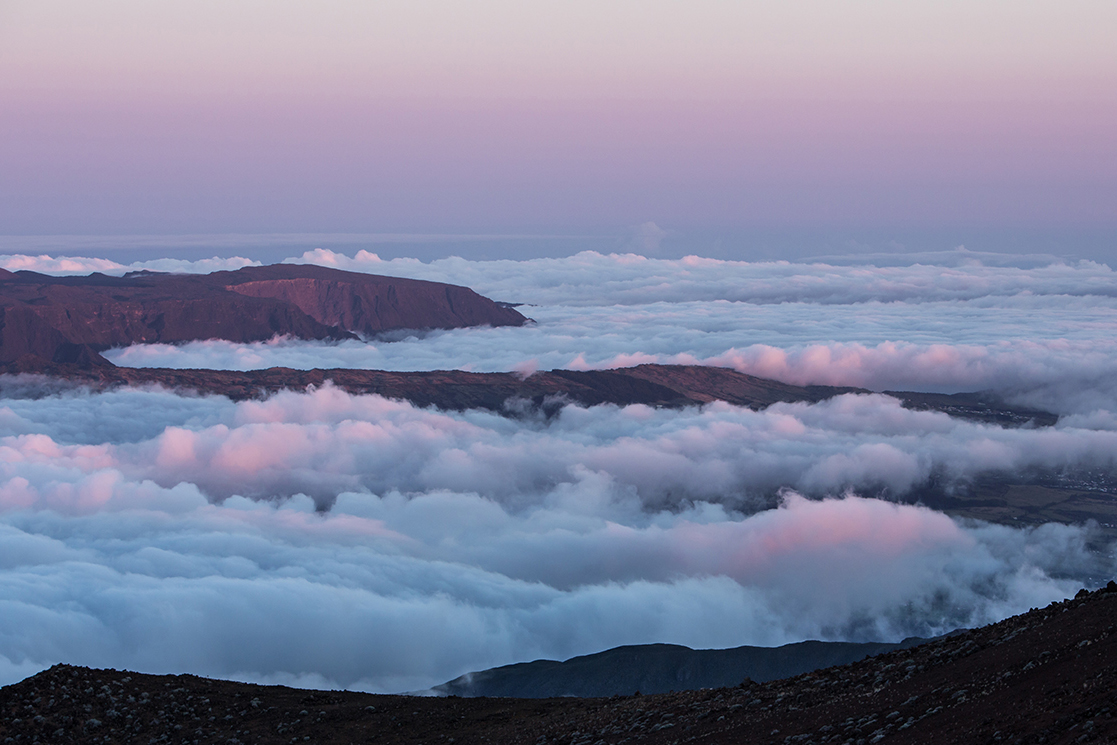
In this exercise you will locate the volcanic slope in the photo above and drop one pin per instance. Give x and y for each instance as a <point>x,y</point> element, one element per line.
<point>73,319</point>
<point>668,386</point>
<point>1046,676</point>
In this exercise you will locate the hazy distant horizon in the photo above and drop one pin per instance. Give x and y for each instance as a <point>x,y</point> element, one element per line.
<point>877,245</point>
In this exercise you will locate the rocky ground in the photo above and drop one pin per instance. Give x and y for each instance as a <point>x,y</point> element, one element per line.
<point>1047,676</point>
<point>544,392</point>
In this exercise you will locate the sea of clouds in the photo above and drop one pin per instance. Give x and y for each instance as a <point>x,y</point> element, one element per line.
<point>1040,335</point>
<point>325,539</point>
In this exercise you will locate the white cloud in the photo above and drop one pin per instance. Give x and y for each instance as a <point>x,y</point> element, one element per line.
<point>1043,335</point>
<point>592,279</point>
<point>345,599</point>
<point>461,541</point>
<point>79,265</point>
<point>327,442</point>
<point>458,541</point>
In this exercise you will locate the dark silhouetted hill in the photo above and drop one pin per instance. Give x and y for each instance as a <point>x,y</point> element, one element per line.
<point>659,668</point>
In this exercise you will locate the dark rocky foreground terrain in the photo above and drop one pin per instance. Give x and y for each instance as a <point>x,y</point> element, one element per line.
<point>660,668</point>
<point>73,319</point>
<point>1046,676</point>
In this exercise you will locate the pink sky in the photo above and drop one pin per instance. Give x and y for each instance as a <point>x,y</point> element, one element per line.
<point>131,116</point>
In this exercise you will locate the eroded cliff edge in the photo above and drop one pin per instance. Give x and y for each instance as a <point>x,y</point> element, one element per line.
<point>74,319</point>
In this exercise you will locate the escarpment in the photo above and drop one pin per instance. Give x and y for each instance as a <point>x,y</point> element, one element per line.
<point>73,319</point>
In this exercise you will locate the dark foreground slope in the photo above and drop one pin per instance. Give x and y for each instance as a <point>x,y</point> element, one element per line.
<point>1047,676</point>
<point>73,319</point>
<point>660,668</point>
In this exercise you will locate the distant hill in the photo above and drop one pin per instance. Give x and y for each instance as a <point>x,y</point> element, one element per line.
<point>541,393</point>
<point>73,319</point>
<point>660,668</point>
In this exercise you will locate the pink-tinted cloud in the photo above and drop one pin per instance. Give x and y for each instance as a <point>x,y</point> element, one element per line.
<point>458,541</point>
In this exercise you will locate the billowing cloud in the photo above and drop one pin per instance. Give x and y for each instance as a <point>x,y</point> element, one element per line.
<point>1041,335</point>
<point>399,592</point>
<point>460,541</point>
<point>65,265</point>
<point>591,279</point>
<point>1057,375</point>
<point>327,442</point>
<point>322,538</point>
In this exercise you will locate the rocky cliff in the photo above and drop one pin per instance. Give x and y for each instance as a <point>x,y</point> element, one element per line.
<point>73,319</point>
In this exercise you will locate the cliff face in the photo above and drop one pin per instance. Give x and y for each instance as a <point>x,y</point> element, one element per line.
<point>72,319</point>
<point>368,304</point>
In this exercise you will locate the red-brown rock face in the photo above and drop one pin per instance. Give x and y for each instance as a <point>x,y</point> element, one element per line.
<point>71,319</point>
<point>368,304</point>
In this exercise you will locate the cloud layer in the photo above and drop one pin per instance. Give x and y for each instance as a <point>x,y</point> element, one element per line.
<point>1041,335</point>
<point>461,541</point>
<point>326,442</point>
<point>342,599</point>
<point>70,265</point>
<point>320,538</point>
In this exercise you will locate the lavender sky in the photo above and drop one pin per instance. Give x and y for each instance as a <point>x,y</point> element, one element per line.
<point>732,126</point>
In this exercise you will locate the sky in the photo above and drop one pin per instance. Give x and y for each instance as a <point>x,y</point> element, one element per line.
<point>739,129</point>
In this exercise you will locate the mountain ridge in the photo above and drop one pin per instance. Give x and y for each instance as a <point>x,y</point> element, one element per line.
<point>660,668</point>
<point>546,392</point>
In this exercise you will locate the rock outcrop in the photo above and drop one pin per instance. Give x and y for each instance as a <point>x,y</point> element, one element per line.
<point>73,319</point>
